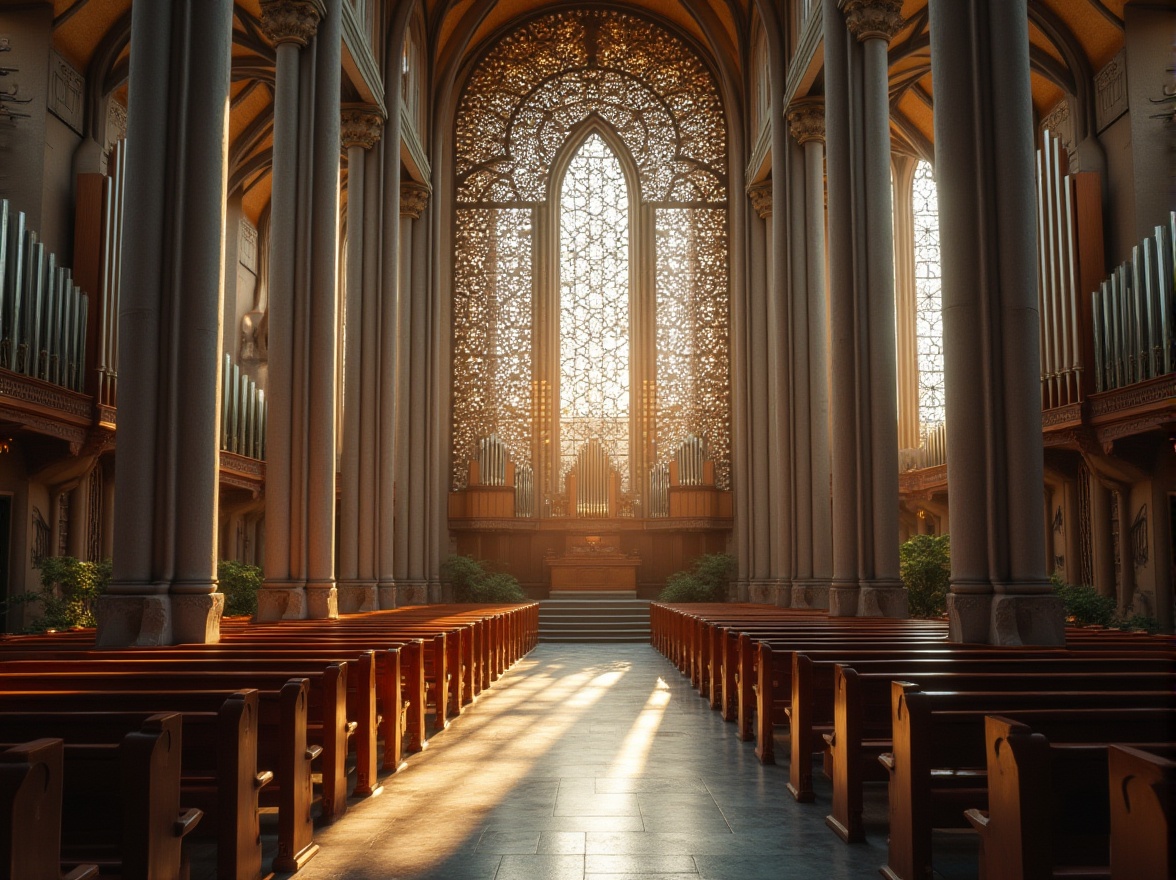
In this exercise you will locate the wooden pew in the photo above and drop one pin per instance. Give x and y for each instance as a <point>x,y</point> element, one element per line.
<point>218,767</point>
<point>282,745</point>
<point>30,813</point>
<point>121,803</point>
<point>863,711</point>
<point>1142,788</point>
<point>327,722</point>
<point>938,767</point>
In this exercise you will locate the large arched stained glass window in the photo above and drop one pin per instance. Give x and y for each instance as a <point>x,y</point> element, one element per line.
<point>590,283</point>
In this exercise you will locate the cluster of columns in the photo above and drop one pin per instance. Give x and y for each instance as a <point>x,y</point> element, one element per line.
<point>822,505</point>
<point>304,245</point>
<point>164,547</point>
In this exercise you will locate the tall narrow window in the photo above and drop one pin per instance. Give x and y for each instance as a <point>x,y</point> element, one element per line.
<point>594,307</point>
<point>928,298</point>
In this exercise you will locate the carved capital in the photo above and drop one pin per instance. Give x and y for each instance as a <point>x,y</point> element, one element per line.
<point>873,19</point>
<point>290,21</point>
<point>413,198</point>
<point>360,126</point>
<point>806,120</point>
<point>761,198</point>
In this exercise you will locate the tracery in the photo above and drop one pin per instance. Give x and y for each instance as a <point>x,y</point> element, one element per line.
<point>928,298</point>
<point>651,344</point>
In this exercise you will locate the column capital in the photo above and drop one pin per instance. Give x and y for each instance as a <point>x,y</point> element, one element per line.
<point>360,126</point>
<point>290,21</point>
<point>873,19</point>
<point>761,198</point>
<point>413,198</point>
<point>806,119</point>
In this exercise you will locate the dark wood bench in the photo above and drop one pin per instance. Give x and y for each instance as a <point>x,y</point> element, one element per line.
<point>30,813</point>
<point>1143,799</point>
<point>120,804</point>
<point>282,745</point>
<point>1049,808</point>
<point>938,766</point>
<point>863,711</point>
<point>218,767</point>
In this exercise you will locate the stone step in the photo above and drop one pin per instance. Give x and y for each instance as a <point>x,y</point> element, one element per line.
<point>582,616</point>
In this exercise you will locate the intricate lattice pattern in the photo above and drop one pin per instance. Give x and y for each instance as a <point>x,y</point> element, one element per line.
<point>928,298</point>
<point>525,102</point>
<point>492,353</point>
<point>594,307</point>
<point>540,82</point>
<point>692,345</point>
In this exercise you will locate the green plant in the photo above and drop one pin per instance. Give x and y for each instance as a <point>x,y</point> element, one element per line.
<point>239,581</point>
<point>1085,606</point>
<point>707,581</point>
<point>472,582</point>
<point>68,593</point>
<point>924,564</point>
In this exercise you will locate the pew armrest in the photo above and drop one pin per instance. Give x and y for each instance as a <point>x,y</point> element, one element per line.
<point>82,872</point>
<point>978,819</point>
<point>188,820</point>
<point>262,779</point>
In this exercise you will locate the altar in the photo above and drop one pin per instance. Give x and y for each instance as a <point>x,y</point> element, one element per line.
<point>596,563</point>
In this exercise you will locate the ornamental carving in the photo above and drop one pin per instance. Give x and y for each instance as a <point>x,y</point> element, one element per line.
<point>873,19</point>
<point>566,129</point>
<point>761,198</point>
<point>290,21</point>
<point>360,127</point>
<point>806,120</point>
<point>413,199</point>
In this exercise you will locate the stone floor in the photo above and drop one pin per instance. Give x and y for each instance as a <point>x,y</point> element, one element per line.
<point>589,761</point>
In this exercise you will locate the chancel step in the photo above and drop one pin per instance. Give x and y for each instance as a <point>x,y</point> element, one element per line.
<point>593,616</point>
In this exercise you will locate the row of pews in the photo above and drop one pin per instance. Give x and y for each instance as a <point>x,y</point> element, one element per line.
<point>110,759</point>
<point>1061,759</point>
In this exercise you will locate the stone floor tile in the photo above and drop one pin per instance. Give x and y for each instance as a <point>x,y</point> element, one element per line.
<point>562,842</point>
<point>504,842</point>
<point>639,863</point>
<point>541,867</point>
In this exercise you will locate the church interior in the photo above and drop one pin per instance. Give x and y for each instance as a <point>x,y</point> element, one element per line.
<point>343,289</point>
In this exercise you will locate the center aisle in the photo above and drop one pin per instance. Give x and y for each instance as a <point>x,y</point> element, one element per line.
<point>588,760</point>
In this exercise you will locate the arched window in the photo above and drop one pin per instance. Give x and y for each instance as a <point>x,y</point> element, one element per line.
<point>928,298</point>
<point>590,293</point>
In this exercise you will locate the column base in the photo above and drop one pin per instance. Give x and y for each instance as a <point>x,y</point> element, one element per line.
<point>739,591</point>
<point>810,594</point>
<point>356,597</point>
<point>196,618</point>
<point>134,621</point>
<point>761,592</point>
<point>843,599</point>
<point>322,600</point>
<point>782,594</point>
<point>1006,619</point>
<point>281,600</point>
<point>883,599</point>
<point>412,593</point>
<point>434,595</point>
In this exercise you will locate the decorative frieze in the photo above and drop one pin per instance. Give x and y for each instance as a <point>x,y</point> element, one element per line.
<point>761,198</point>
<point>1060,121</point>
<point>1110,91</point>
<point>361,126</point>
<point>67,89</point>
<point>873,19</point>
<point>413,198</point>
<point>290,21</point>
<point>806,120</point>
<point>247,245</point>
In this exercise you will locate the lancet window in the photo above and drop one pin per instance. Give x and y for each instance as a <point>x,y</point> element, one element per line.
<point>590,276</point>
<point>928,298</point>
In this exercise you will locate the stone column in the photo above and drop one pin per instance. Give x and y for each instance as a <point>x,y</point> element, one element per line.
<point>162,590</point>
<point>300,568</point>
<point>906,303</point>
<point>865,448</point>
<point>419,508</point>
<point>410,432</point>
<point>812,519</point>
<point>984,158</point>
<point>759,435</point>
<point>361,128</point>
